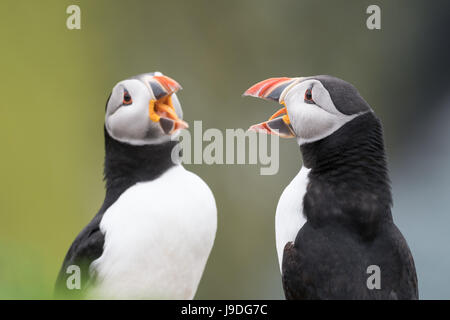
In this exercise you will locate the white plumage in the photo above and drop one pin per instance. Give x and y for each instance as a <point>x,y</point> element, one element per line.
<point>289,217</point>
<point>158,236</point>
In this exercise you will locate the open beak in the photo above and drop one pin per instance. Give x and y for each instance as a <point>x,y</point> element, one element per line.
<point>271,89</point>
<point>161,109</point>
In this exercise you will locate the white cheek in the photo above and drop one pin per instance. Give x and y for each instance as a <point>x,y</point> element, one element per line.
<point>311,122</point>
<point>128,122</point>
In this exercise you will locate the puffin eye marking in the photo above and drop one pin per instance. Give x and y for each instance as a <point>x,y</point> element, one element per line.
<point>127,98</point>
<point>308,96</point>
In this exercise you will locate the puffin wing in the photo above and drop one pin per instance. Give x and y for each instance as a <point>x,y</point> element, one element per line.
<point>300,266</point>
<point>331,264</point>
<point>293,285</point>
<point>87,247</point>
<point>407,287</point>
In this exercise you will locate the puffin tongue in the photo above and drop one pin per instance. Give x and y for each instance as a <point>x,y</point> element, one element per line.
<point>162,111</point>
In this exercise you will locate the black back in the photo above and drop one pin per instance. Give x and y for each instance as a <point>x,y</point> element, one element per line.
<point>345,96</point>
<point>125,165</point>
<point>349,222</point>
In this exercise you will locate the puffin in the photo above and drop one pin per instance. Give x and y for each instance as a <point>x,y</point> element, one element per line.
<point>154,232</point>
<point>335,234</point>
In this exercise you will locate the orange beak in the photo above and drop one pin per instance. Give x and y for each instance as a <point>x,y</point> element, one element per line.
<point>271,89</point>
<point>161,109</point>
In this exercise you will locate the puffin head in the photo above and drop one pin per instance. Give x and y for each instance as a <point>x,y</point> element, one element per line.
<point>144,110</point>
<point>314,107</point>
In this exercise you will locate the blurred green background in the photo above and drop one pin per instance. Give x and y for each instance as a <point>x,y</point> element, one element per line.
<point>55,83</point>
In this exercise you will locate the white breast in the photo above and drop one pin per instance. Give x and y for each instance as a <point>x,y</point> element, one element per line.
<point>158,236</point>
<point>289,216</point>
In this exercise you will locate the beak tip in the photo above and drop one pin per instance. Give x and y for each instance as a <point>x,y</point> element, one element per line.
<point>168,84</point>
<point>181,124</point>
<point>248,94</point>
<point>258,128</point>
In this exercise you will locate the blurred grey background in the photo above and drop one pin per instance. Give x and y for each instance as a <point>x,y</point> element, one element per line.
<point>55,84</point>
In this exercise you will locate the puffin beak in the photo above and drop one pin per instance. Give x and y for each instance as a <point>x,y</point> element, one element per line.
<point>161,109</point>
<point>271,89</point>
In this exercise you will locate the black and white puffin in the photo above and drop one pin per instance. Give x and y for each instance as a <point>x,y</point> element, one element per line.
<point>156,227</point>
<point>333,221</point>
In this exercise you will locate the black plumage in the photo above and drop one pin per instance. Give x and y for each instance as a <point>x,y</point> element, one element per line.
<point>349,222</point>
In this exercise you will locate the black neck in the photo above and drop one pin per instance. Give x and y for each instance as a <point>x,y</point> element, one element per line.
<point>127,164</point>
<point>349,179</point>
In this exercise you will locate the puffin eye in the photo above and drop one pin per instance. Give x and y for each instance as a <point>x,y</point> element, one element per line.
<point>127,98</point>
<point>308,96</point>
